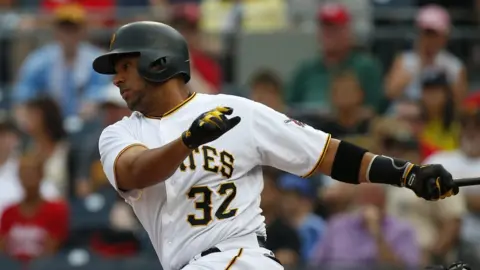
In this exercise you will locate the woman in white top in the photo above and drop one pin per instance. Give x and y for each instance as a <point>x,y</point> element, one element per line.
<point>429,53</point>
<point>48,140</point>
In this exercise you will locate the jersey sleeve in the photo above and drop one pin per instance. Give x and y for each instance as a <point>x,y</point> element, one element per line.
<point>113,141</point>
<point>285,143</point>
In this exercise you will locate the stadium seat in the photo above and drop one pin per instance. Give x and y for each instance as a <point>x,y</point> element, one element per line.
<point>93,211</point>
<point>73,260</point>
<point>10,264</point>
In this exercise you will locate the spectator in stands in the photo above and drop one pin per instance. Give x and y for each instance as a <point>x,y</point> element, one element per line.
<point>34,227</point>
<point>404,77</point>
<point>395,137</point>
<point>297,203</point>
<point>409,112</point>
<point>10,188</point>
<point>63,69</point>
<point>88,173</point>
<point>282,238</point>
<point>348,116</point>
<point>367,238</point>
<point>440,131</point>
<point>310,86</point>
<point>206,72</point>
<point>100,12</point>
<point>266,88</point>
<point>464,162</point>
<point>48,140</point>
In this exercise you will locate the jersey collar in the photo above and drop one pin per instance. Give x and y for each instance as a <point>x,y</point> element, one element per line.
<point>176,108</point>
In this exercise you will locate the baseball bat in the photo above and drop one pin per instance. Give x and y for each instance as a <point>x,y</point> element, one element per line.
<point>463,182</point>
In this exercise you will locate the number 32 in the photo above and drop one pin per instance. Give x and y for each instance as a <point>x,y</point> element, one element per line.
<point>227,190</point>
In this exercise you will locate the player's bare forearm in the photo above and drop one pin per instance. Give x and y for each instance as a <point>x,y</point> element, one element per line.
<point>141,168</point>
<point>327,163</point>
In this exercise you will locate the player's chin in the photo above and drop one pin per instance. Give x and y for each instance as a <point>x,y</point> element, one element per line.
<point>134,104</point>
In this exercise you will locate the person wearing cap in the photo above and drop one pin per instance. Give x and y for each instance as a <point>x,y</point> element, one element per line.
<point>88,172</point>
<point>297,205</point>
<point>310,84</point>
<point>283,238</point>
<point>429,52</point>
<point>206,72</point>
<point>63,69</point>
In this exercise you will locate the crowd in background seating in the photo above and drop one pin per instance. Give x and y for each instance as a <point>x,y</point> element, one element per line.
<point>416,102</point>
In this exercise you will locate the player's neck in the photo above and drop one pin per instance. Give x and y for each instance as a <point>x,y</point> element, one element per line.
<point>168,98</point>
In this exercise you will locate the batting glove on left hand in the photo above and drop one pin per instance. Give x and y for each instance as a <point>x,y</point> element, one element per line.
<point>209,126</point>
<point>431,182</point>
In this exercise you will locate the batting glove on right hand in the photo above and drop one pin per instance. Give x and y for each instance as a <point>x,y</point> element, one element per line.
<point>431,182</point>
<point>209,126</point>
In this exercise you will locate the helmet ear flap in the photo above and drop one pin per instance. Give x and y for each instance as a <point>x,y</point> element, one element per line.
<point>159,69</point>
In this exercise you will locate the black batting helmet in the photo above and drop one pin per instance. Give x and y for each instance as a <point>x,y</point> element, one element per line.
<point>163,51</point>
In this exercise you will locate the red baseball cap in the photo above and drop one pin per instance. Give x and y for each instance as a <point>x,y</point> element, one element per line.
<point>333,13</point>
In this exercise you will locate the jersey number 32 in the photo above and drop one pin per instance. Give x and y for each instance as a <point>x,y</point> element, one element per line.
<point>204,204</point>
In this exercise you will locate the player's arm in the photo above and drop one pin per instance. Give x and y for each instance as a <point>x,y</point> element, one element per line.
<point>292,146</point>
<point>130,165</point>
<point>349,163</point>
<point>138,167</point>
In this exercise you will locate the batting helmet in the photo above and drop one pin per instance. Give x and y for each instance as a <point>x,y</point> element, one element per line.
<point>163,51</point>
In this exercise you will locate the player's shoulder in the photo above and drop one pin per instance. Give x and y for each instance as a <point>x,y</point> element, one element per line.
<point>125,125</point>
<point>223,97</point>
<point>235,102</point>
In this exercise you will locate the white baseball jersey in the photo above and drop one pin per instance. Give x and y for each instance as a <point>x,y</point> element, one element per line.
<point>215,194</point>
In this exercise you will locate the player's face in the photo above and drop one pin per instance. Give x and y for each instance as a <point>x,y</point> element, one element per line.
<point>133,87</point>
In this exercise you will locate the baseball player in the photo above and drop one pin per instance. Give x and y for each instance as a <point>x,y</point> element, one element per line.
<point>190,164</point>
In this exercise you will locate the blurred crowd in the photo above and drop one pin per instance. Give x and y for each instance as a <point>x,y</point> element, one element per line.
<point>57,209</point>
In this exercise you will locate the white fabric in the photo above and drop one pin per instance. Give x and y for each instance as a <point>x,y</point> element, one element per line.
<point>444,60</point>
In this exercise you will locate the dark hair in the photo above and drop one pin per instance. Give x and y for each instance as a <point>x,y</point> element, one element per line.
<point>51,117</point>
<point>266,77</point>
<point>8,126</point>
<point>448,110</point>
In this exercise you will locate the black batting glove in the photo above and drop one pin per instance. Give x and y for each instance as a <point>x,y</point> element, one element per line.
<point>431,182</point>
<point>209,126</point>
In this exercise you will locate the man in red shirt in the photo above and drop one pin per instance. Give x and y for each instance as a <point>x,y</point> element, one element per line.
<point>34,227</point>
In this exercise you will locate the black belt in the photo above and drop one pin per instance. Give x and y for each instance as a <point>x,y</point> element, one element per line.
<point>261,242</point>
